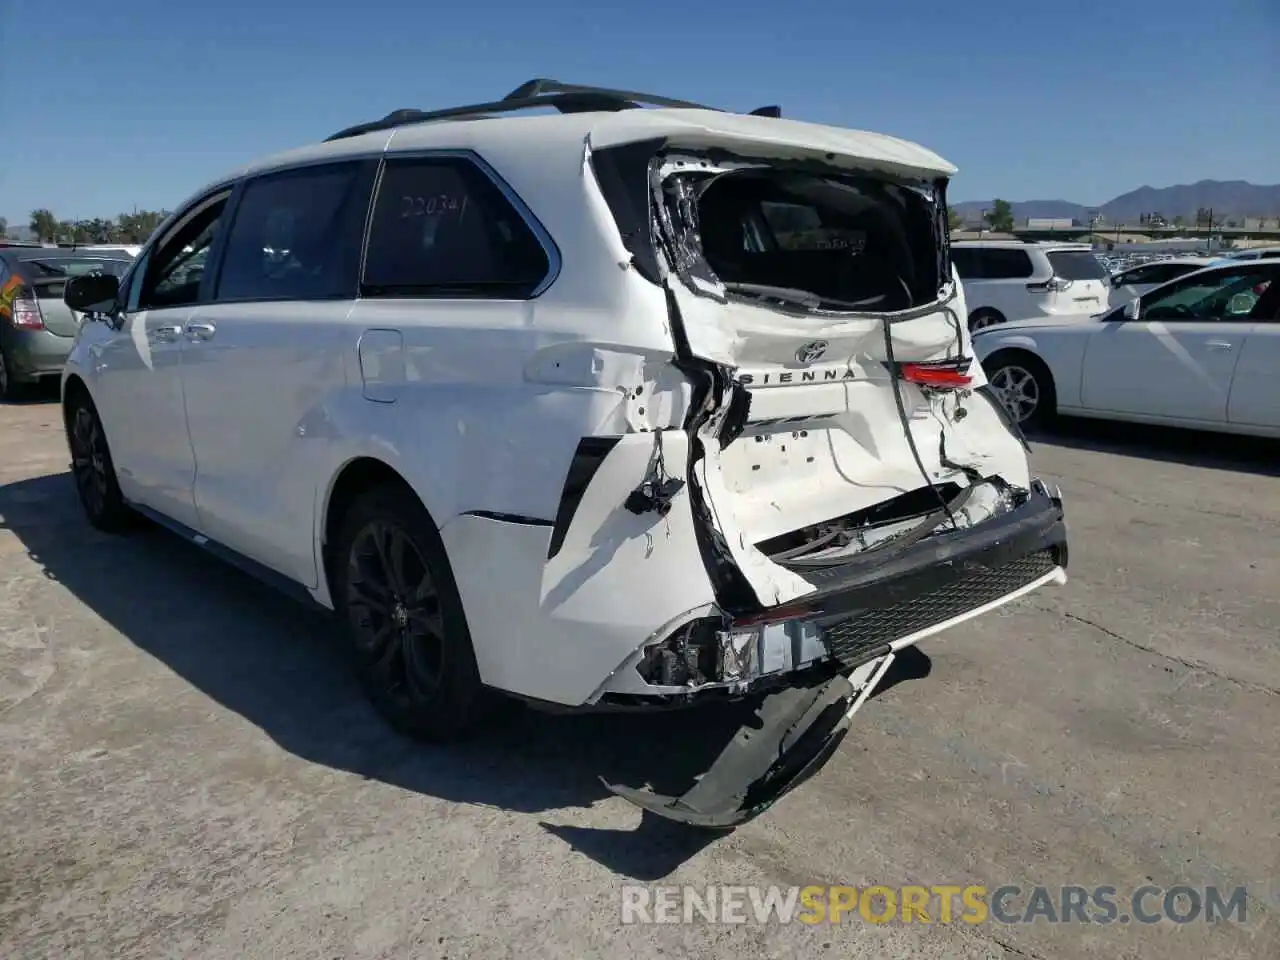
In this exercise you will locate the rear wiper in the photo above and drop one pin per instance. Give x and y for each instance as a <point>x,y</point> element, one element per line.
<point>764,291</point>
<point>802,298</point>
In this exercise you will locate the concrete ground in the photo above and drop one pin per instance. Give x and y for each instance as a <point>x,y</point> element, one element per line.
<point>190,772</point>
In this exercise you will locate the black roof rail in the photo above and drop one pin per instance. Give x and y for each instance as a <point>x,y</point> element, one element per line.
<point>539,92</point>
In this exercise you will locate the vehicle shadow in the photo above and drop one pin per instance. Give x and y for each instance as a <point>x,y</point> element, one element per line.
<point>1195,448</point>
<point>280,666</point>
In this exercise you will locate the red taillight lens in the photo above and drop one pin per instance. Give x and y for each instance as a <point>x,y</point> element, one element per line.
<point>26,314</point>
<point>946,374</point>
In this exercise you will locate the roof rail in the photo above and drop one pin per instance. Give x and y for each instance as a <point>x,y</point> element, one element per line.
<point>540,92</point>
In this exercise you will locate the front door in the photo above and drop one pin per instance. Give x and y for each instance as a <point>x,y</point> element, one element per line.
<point>266,352</point>
<point>1177,359</point>
<point>138,368</point>
<point>1255,391</point>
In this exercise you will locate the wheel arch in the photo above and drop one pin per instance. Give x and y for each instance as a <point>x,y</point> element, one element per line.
<point>1030,358</point>
<point>353,478</point>
<point>73,387</point>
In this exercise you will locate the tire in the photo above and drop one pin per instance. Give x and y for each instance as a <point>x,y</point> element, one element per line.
<point>93,469</point>
<point>9,390</point>
<point>1025,387</point>
<point>984,317</point>
<point>404,621</point>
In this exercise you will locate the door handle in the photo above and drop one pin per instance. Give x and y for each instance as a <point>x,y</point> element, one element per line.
<point>201,330</point>
<point>1218,344</point>
<point>166,334</point>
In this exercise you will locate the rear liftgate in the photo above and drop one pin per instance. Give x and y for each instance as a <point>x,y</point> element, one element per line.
<point>793,731</point>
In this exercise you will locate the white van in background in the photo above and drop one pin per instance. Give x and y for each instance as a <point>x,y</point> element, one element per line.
<point>1015,280</point>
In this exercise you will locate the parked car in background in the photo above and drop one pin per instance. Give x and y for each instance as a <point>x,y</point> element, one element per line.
<point>682,418</point>
<point>1012,280</point>
<point>1142,279</point>
<point>36,327</point>
<point>1201,351</point>
<point>1253,253</point>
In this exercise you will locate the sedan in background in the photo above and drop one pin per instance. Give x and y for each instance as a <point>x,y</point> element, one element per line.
<point>1201,351</point>
<point>1140,280</point>
<point>36,328</point>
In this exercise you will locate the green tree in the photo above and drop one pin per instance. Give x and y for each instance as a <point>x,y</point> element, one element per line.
<point>44,224</point>
<point>1179,222</point>
<point>4,228</point>
<point>955,220</point>
<point>136,227</point>
<point>1000,217</point>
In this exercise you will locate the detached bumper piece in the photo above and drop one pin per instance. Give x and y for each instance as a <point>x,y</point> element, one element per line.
<point>791,736</point>
<point>864,611</point>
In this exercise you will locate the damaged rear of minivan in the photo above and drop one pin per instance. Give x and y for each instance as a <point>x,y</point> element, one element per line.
<point>853,485</point>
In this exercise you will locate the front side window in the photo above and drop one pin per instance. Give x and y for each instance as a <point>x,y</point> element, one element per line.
<point>1225,295</point>
<point>296,236</point>
<point>442,228</point>
<point>175,267</point>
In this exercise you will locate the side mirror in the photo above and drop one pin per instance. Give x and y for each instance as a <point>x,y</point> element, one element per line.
<point>1133,309</point>
<point>92,293</point>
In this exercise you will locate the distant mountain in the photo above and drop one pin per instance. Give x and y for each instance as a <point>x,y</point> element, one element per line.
<point>1228,199</point>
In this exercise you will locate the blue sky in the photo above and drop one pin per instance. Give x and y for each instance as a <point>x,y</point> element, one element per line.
<point>140,102</point>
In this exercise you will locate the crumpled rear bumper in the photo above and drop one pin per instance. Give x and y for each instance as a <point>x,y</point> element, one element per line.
<point>868,610</point>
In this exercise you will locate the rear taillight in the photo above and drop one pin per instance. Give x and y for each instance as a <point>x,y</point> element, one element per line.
<point>938,374</point>
<point>26,314</point>
<point>1052,285</point>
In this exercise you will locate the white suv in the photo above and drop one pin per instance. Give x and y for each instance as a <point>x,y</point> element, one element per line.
<point>636,405</point>
<point>1011,280</point>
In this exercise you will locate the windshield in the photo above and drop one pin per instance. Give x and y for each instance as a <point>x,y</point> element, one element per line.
<point>1076,265</point>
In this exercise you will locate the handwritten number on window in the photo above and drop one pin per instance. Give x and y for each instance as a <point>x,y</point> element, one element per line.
<point>436,205</point>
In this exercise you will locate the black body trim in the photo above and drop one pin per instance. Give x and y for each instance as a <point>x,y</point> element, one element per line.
<point>508,518</point>
<point>260,572</point>
<point>880,578</point>
<point>582,469</point>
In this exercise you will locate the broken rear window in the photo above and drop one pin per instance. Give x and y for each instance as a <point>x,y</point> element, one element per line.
<point>834,242</point>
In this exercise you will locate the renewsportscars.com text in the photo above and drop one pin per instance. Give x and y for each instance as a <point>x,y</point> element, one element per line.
<point>942,903</point>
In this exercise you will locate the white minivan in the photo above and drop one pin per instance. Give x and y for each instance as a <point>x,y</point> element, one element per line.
<point>1012,280</point>
<point>636,405</point>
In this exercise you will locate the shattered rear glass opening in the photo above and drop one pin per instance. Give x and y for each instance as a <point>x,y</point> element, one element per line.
<point>831,242</point>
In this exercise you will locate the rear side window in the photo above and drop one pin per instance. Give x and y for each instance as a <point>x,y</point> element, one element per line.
<point>967,262</point>
<point>1002,264</point>
<point>296,236</point>
<point>1076,265</point>
<point>442,228</point>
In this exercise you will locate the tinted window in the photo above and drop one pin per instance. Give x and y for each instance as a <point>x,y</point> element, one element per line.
<point>967,262</point>
<point>296,236</point>
<point>442,227</point>
<point>175,268</point>
<point>1076,265</point>
<point>1224,295</point>
<point>1001,264</point>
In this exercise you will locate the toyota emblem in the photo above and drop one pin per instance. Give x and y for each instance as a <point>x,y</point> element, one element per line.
<point>811,351</point>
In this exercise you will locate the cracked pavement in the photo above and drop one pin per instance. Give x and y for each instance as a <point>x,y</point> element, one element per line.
<point>190,771</point>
